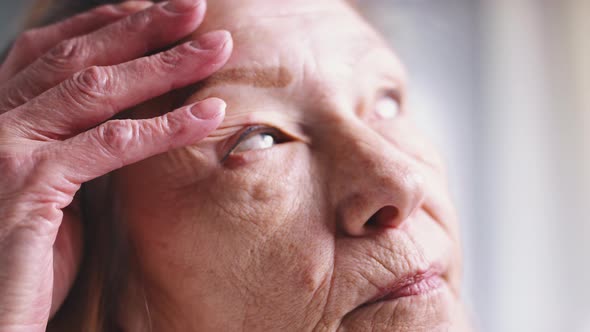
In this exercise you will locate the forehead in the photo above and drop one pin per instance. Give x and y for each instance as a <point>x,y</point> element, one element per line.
<point>270,31</point>
<point>299,46</point>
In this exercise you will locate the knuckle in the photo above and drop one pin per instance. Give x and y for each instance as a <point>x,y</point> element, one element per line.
<point>169,60</point>
<point>109,10</point>
<point>66,56</point>
<point>139,21</point>
<point>117,136</point>
<point>166,125</point>
<point>91,83</point>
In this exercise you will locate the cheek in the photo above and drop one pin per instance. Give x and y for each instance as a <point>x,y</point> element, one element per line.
<point>289,277</point>
<point>257,231</point>
<point>272,213</point>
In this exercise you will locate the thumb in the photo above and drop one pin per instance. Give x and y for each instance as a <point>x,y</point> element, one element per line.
<point>67,254</point>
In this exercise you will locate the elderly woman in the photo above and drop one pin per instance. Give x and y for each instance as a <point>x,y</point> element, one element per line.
<point>310,203</point>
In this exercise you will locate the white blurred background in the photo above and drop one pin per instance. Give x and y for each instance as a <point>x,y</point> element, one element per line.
<point>503,87</point>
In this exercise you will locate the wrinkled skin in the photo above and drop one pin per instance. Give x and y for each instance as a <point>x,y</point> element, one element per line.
<point>283,238</point>
<point>58,85</point>
<point>341,206</point>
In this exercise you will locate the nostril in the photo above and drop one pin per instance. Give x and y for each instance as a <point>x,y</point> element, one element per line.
<point>372,222</point>
<point>385,217</point>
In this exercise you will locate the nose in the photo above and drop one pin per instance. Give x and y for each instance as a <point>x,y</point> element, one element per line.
<point>376,185</point>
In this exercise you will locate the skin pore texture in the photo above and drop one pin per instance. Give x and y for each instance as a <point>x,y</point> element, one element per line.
<point>343,224</point>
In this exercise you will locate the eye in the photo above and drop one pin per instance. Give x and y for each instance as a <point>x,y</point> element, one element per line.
<point>258,138</point>
<point>387,107</point>
<point>258,141</point>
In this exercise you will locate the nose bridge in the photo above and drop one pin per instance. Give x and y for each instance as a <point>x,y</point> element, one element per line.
<point>382,165</point>
<point>371,174</point>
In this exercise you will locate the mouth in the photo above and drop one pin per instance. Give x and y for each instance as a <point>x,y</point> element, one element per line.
<point>414,284</point>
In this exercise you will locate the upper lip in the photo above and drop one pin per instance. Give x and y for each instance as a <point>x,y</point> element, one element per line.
<point>396,260</point>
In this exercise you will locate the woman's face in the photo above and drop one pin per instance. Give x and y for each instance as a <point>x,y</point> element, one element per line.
<point>312,205</point>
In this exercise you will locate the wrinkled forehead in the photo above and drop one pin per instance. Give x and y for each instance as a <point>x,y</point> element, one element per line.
<point>232,10</point>
<point>279,39</point>
<point>267,28</point>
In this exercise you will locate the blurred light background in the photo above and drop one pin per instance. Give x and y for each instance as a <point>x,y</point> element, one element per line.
<point>503,88</point>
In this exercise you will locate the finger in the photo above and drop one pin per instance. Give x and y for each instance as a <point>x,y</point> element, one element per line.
<point>35,42</point>
<point>119,143</point>
<point>98,93</point>
<point>124,40</point>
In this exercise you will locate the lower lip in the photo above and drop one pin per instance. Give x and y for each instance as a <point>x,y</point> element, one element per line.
<point>423,286</point>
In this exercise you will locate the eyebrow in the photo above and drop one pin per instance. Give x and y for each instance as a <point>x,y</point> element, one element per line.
<point>259,77</point>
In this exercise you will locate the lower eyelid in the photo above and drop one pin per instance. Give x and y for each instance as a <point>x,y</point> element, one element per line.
<point>233,161</point>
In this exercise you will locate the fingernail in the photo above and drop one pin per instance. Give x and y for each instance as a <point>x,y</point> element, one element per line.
<point>209,109</point>
<point>212,40</point>
<point>180,6</point>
